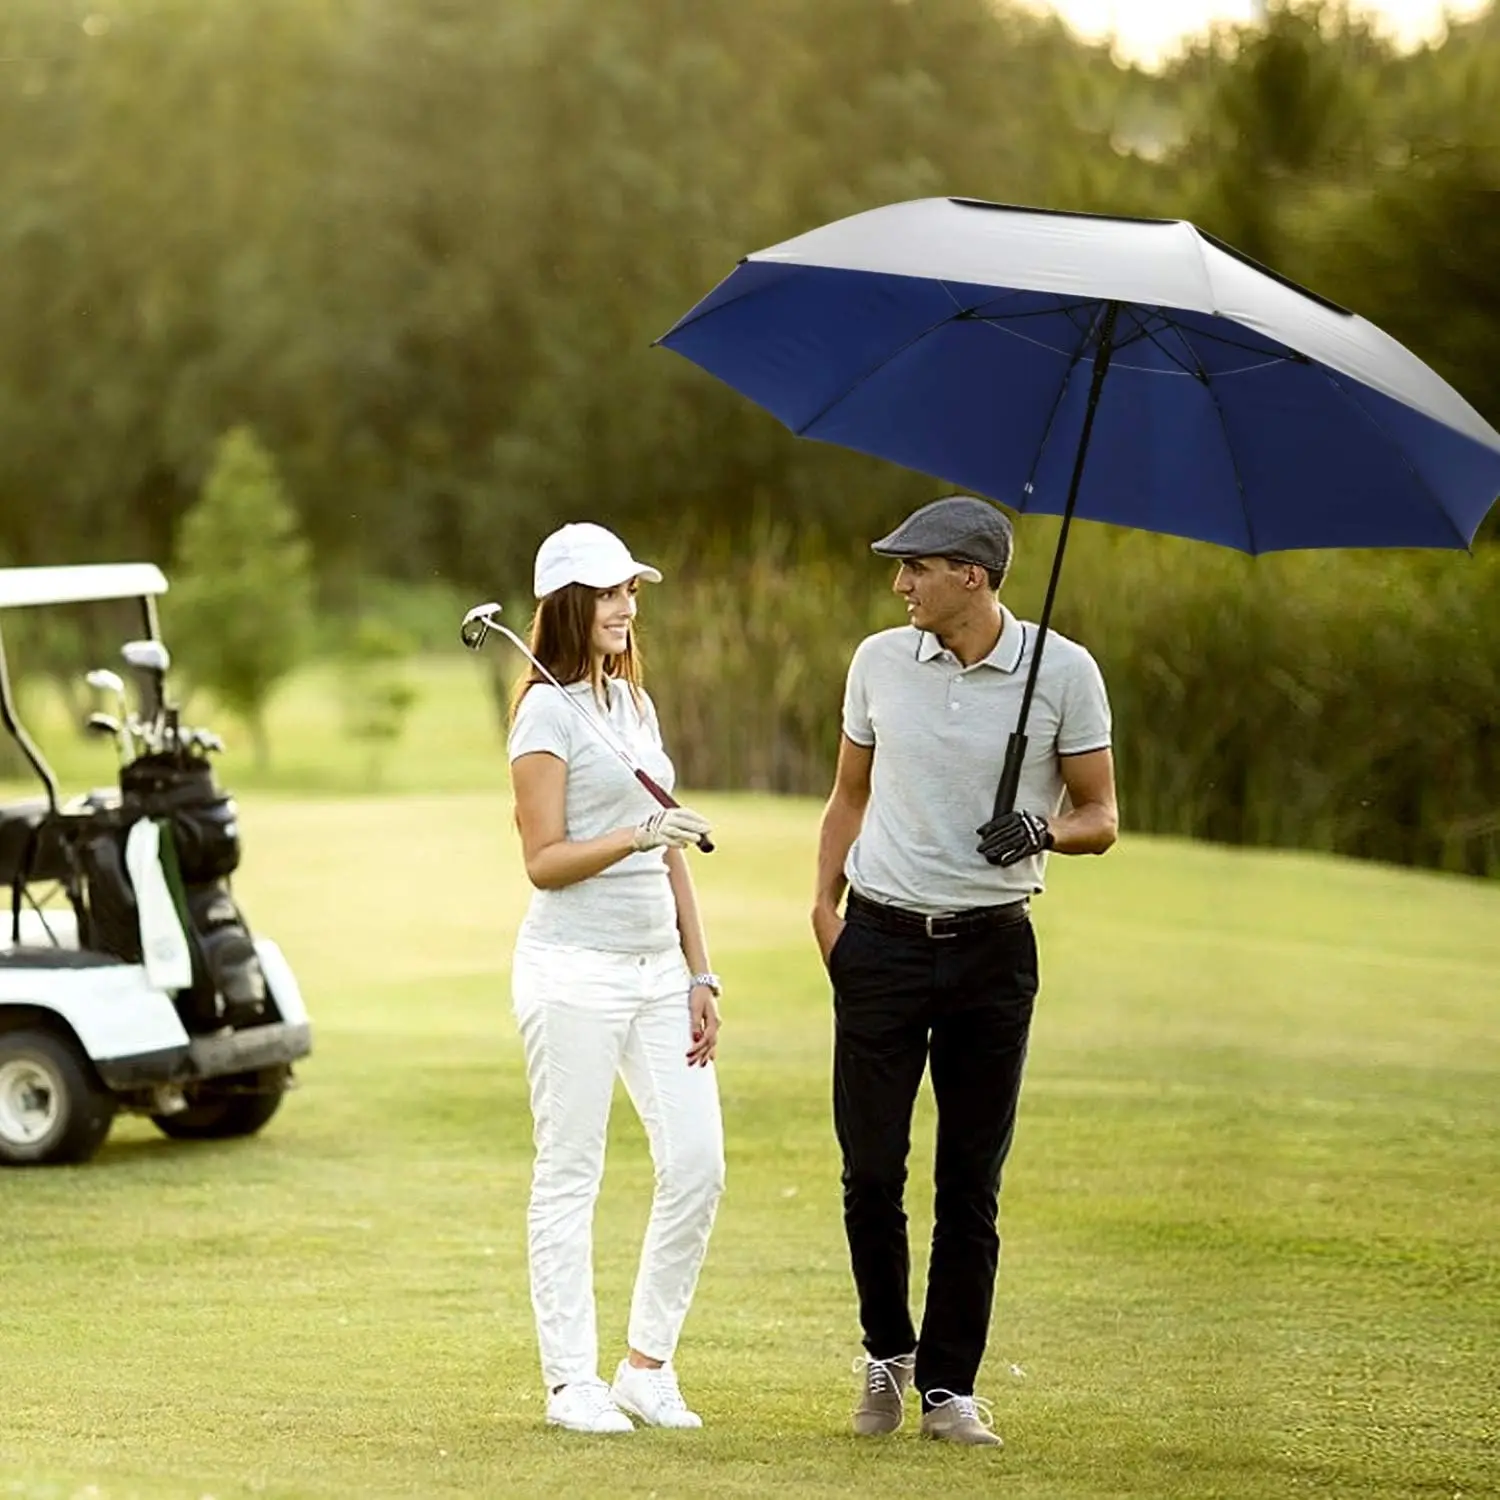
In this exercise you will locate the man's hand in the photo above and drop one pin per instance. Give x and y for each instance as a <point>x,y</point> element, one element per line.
<point>827,925</point>
<point>1014,836</point>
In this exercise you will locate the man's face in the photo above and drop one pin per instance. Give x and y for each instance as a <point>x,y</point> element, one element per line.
<point>937,590</point>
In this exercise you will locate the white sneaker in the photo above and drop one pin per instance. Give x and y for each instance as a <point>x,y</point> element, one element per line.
<point>585,1406</point>
<point>653,1396</point>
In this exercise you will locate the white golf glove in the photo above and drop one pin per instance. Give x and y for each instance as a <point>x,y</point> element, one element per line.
<point>672,827</point>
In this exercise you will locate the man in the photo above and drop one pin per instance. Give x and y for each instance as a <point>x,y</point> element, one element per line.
<point>934,958</point>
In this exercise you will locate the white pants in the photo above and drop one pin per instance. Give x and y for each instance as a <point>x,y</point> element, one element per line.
<point>585,1015</point>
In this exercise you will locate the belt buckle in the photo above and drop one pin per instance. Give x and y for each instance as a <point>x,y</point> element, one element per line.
<point>937,936</point>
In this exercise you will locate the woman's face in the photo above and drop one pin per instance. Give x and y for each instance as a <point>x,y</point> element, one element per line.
<point>614,610</point>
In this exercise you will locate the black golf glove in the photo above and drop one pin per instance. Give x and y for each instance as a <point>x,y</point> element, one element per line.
<point>1014,836</point>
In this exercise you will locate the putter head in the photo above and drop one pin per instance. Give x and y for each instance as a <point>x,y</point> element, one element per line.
<point>102,680</point>
<point>477,624</point>
<point>102,724</point>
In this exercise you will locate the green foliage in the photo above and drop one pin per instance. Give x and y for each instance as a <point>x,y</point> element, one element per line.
<point>423,250</point>
<point>1338,701</point>
<point>240,610</point>
<point>375,690</point>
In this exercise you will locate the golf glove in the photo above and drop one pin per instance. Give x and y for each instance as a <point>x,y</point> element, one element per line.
<point>672,827</point>
<point>1014,836</point>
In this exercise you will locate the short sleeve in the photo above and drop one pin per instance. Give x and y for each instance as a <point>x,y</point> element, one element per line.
<point>1085,723</point>
<point>542,723</point>
<point>858,725</point>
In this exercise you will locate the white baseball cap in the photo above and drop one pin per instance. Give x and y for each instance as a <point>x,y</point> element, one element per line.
<point>582,552</point>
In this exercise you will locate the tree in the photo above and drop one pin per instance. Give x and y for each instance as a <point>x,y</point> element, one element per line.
<point>376,693</point>
<point>241,605</point>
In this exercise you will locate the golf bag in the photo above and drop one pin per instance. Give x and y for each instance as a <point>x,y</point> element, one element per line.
<point>200,849</point>
<point>205,822</point>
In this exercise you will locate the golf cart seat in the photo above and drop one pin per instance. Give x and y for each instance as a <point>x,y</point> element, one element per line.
<point>31,843</point>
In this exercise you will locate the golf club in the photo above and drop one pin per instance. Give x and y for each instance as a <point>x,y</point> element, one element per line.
<point>484,618</point>
<point>152,660</point>
<point>102,680</point>
<point>101,724</point>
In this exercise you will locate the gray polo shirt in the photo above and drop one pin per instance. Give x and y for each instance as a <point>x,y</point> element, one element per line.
<point>627,908</point>
<point>939,731</point>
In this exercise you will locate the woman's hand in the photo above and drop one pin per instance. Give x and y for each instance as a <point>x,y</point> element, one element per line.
<point>672,827</point>
<point>703,1010</point>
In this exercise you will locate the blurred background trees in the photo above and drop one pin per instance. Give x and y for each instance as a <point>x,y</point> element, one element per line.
<point>421,248</point>
<point>240,608</point>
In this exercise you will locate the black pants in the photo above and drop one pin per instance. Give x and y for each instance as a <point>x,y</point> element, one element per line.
<point>965,1003</point>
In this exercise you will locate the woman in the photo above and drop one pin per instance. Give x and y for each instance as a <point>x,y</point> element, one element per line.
<point>611,975</point>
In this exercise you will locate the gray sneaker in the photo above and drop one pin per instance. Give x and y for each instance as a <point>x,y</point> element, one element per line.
<point>960,1419</point>
<point>887,1381</point>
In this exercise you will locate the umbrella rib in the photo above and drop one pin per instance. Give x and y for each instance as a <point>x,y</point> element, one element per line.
<point>695,315</point>
<point>1332,378</point>
<point>963,315</point>
<point>1036,312</point>
<point>1285,354</point>
<point>1036,459</point>
<point>1083,328</point>
<point>1202,375</point>
<point>1234,463</point>
<point>870,374</point>
<point>1151,334</point>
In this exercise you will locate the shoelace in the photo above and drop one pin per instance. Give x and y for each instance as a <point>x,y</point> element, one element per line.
<point>975,1408</point>
<point>663,1383</point>
<point>595,1396</point>
<point>878,1372</point>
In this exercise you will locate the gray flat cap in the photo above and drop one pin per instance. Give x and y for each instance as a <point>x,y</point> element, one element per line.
<point>956,526</point>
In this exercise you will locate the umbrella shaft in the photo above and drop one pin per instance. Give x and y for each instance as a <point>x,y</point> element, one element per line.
<point>1015,750</point>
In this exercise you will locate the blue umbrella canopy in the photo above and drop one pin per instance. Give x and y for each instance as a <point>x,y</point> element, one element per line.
<point>1136,371</point>
<point>961,339</point>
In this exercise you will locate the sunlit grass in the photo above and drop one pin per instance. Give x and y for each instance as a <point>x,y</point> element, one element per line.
<point>1250,1220</point>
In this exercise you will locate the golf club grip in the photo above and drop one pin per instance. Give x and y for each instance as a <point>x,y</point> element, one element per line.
<point>667,800</point>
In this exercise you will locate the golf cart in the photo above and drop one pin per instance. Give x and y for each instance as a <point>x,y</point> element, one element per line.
<point>128,977</point>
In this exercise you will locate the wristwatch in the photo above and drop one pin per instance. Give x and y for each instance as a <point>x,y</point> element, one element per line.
<point>709,982</point>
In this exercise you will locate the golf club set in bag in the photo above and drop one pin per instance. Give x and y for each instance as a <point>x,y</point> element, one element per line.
<point>166,780</point>
<point>476,627</point>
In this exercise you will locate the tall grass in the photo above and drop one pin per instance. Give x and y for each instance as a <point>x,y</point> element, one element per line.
<point>1340,701</point>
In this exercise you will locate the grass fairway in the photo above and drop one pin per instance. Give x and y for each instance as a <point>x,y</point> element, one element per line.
<point>1251,1219</point>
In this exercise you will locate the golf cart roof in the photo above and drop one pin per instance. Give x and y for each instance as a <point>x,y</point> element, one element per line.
<point>80,584</point>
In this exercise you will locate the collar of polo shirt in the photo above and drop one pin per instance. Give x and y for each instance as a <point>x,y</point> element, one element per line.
<point>1007,652</point>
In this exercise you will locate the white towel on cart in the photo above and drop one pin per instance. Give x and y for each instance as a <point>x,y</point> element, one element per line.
<point>164,945</point>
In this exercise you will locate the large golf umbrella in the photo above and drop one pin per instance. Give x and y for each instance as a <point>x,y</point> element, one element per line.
<point>999,348</point>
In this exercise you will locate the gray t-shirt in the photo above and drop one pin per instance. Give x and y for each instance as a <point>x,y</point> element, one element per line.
<point>627,908</point>
<point>939,730</point>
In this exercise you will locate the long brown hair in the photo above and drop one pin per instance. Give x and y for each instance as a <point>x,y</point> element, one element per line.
<point>561,632</point>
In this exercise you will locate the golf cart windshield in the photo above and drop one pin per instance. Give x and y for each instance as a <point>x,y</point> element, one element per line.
<point>32,587</point>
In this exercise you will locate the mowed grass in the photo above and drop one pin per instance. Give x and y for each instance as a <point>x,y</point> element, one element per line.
<point>1251,1220</point>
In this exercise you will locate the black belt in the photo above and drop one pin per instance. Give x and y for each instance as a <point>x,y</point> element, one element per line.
<point>950,925</point>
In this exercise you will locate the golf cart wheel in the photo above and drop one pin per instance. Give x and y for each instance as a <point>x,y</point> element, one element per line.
<point>227,1107</point>
<point>53,1107</point>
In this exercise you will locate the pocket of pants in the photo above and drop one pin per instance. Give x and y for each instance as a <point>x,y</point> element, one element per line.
<point>542,973</point>
<point>837,949</point>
